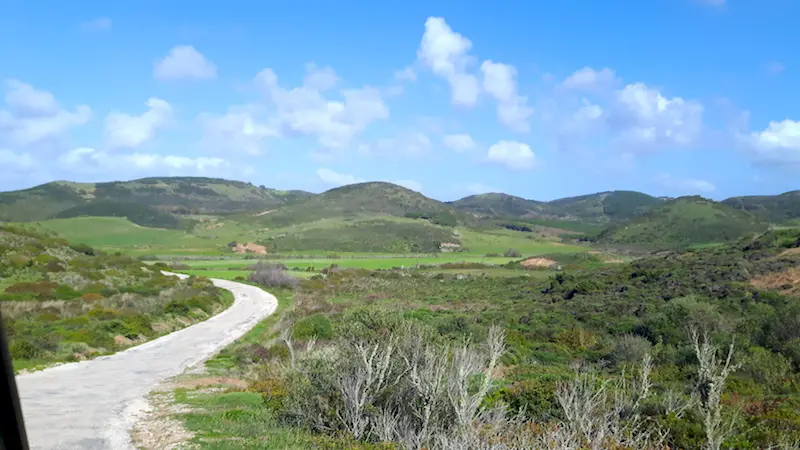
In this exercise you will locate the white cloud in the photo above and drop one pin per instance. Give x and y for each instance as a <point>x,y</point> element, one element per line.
<point>499,80</point>
<point>778,143</point>
<point>685,185</point>
<point>515,155</point>
<point>407,74</point>
<point>647,119</point>
<point>446,53</point>
<point>238,131</point>
<point>459,142</point>
<point>635,118</point>
<point>126,131</point>
<point>34,116</point>
<point>13,160</point>
<point>589,79</point>
<point>332,178</point>
<point>409,184</point>
<point>184,62</point>
<point>76,155</point>
<point>99,24</point>
<point>140,161</point>
<point>304,111</point>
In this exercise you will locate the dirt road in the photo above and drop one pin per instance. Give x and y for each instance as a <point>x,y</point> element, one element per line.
<point>93,404</point>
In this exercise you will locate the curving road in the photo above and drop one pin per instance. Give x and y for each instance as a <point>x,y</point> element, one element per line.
<point>93,404</point>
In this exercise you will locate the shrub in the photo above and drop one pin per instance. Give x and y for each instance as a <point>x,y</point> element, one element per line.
<point>512,253</point>
<point>273,277</point>
<point>83,248</point>
<point>630,349</point>
<point>314,326</point>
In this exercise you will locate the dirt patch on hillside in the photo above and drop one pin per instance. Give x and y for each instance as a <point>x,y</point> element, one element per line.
<point>787,282</point>
<point>264,213</point>
<point>613,261</point>
<point>790,252</point>
<point>214,226</point>
<point>250,248</point>
<point>449,246</point>
<point>538,263</point>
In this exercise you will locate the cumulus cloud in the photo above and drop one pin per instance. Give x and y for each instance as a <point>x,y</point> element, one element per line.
<point>589,79</point>
<point>137,161</point>
<point>685,185</point>
<point>127,131</point>
<point>499,81</point>
<point>446,53</point>
<point>333,178</point>
<point>184,62</point>
<point>778,143</point>
<point>634,118</point>
<point>512,154</point>
<point>237,131</point>
<point>33,116</point>
<point>304,111</point>
<point>459,142</point>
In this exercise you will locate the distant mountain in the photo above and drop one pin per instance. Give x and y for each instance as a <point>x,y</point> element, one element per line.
<point>166,194</point>
<point>774,208</point>
<point>682,222</point>
<point>602,207</point>
<point>361,200</point>
<point>500,205</point>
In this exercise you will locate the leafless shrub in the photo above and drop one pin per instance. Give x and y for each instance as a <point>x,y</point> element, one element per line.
<point>602,414</point>
<point>272,277</point>
<point>712,374</point>
<point>264,265</point>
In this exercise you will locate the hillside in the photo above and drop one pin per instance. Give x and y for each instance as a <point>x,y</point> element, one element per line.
<point>66,302</point>
<point>363,200</point>
<point>682,222</point>
<point>183,195</point>
<point>602,207</point>
<point>773,208</point>
<point>500,205</point>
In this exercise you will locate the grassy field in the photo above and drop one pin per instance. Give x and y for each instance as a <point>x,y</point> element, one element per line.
<point>352,263</point>
<point>234,274</point>
<point>210,237</point>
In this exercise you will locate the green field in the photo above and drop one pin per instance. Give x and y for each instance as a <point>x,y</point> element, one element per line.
<point>233,274</point>
<point>119,234</point>
<point>351,263</point>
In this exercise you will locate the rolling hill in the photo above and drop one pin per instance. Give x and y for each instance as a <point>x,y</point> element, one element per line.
<point>602,207</point>
<point>774,208</point>
<point>683,222</point>
<point>372,199</point>
<point>183,195</point>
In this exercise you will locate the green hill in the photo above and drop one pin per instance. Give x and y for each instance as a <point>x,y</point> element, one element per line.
<point>500,205</point>
<point>142,215</point>
<point>66,302</point>
<point>183,195</point>
<point>773,208</point>
<point>602,207</point>
<point>372,199</point>
<point>683,222</point>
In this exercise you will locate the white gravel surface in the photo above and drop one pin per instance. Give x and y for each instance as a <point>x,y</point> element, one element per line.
<point>93,404</point>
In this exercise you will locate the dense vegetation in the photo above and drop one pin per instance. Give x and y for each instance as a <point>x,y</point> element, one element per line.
<point>387,236</point>
<point>682,222</point>
<point>141,215</point>
<point>602,320</point>
<point>602,207</point>
<point>64,302</point>
<point>773,208</point>
<point>181,195</point>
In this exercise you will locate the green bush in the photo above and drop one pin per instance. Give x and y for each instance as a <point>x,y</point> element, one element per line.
<point>314,326</point>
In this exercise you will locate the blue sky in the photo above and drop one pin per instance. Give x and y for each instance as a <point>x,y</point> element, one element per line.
<point>537,99</point>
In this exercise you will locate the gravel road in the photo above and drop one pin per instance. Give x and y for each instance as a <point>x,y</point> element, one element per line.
<point>93,404</point>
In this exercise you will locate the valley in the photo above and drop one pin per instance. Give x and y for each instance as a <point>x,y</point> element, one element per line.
<point>614,283</point>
